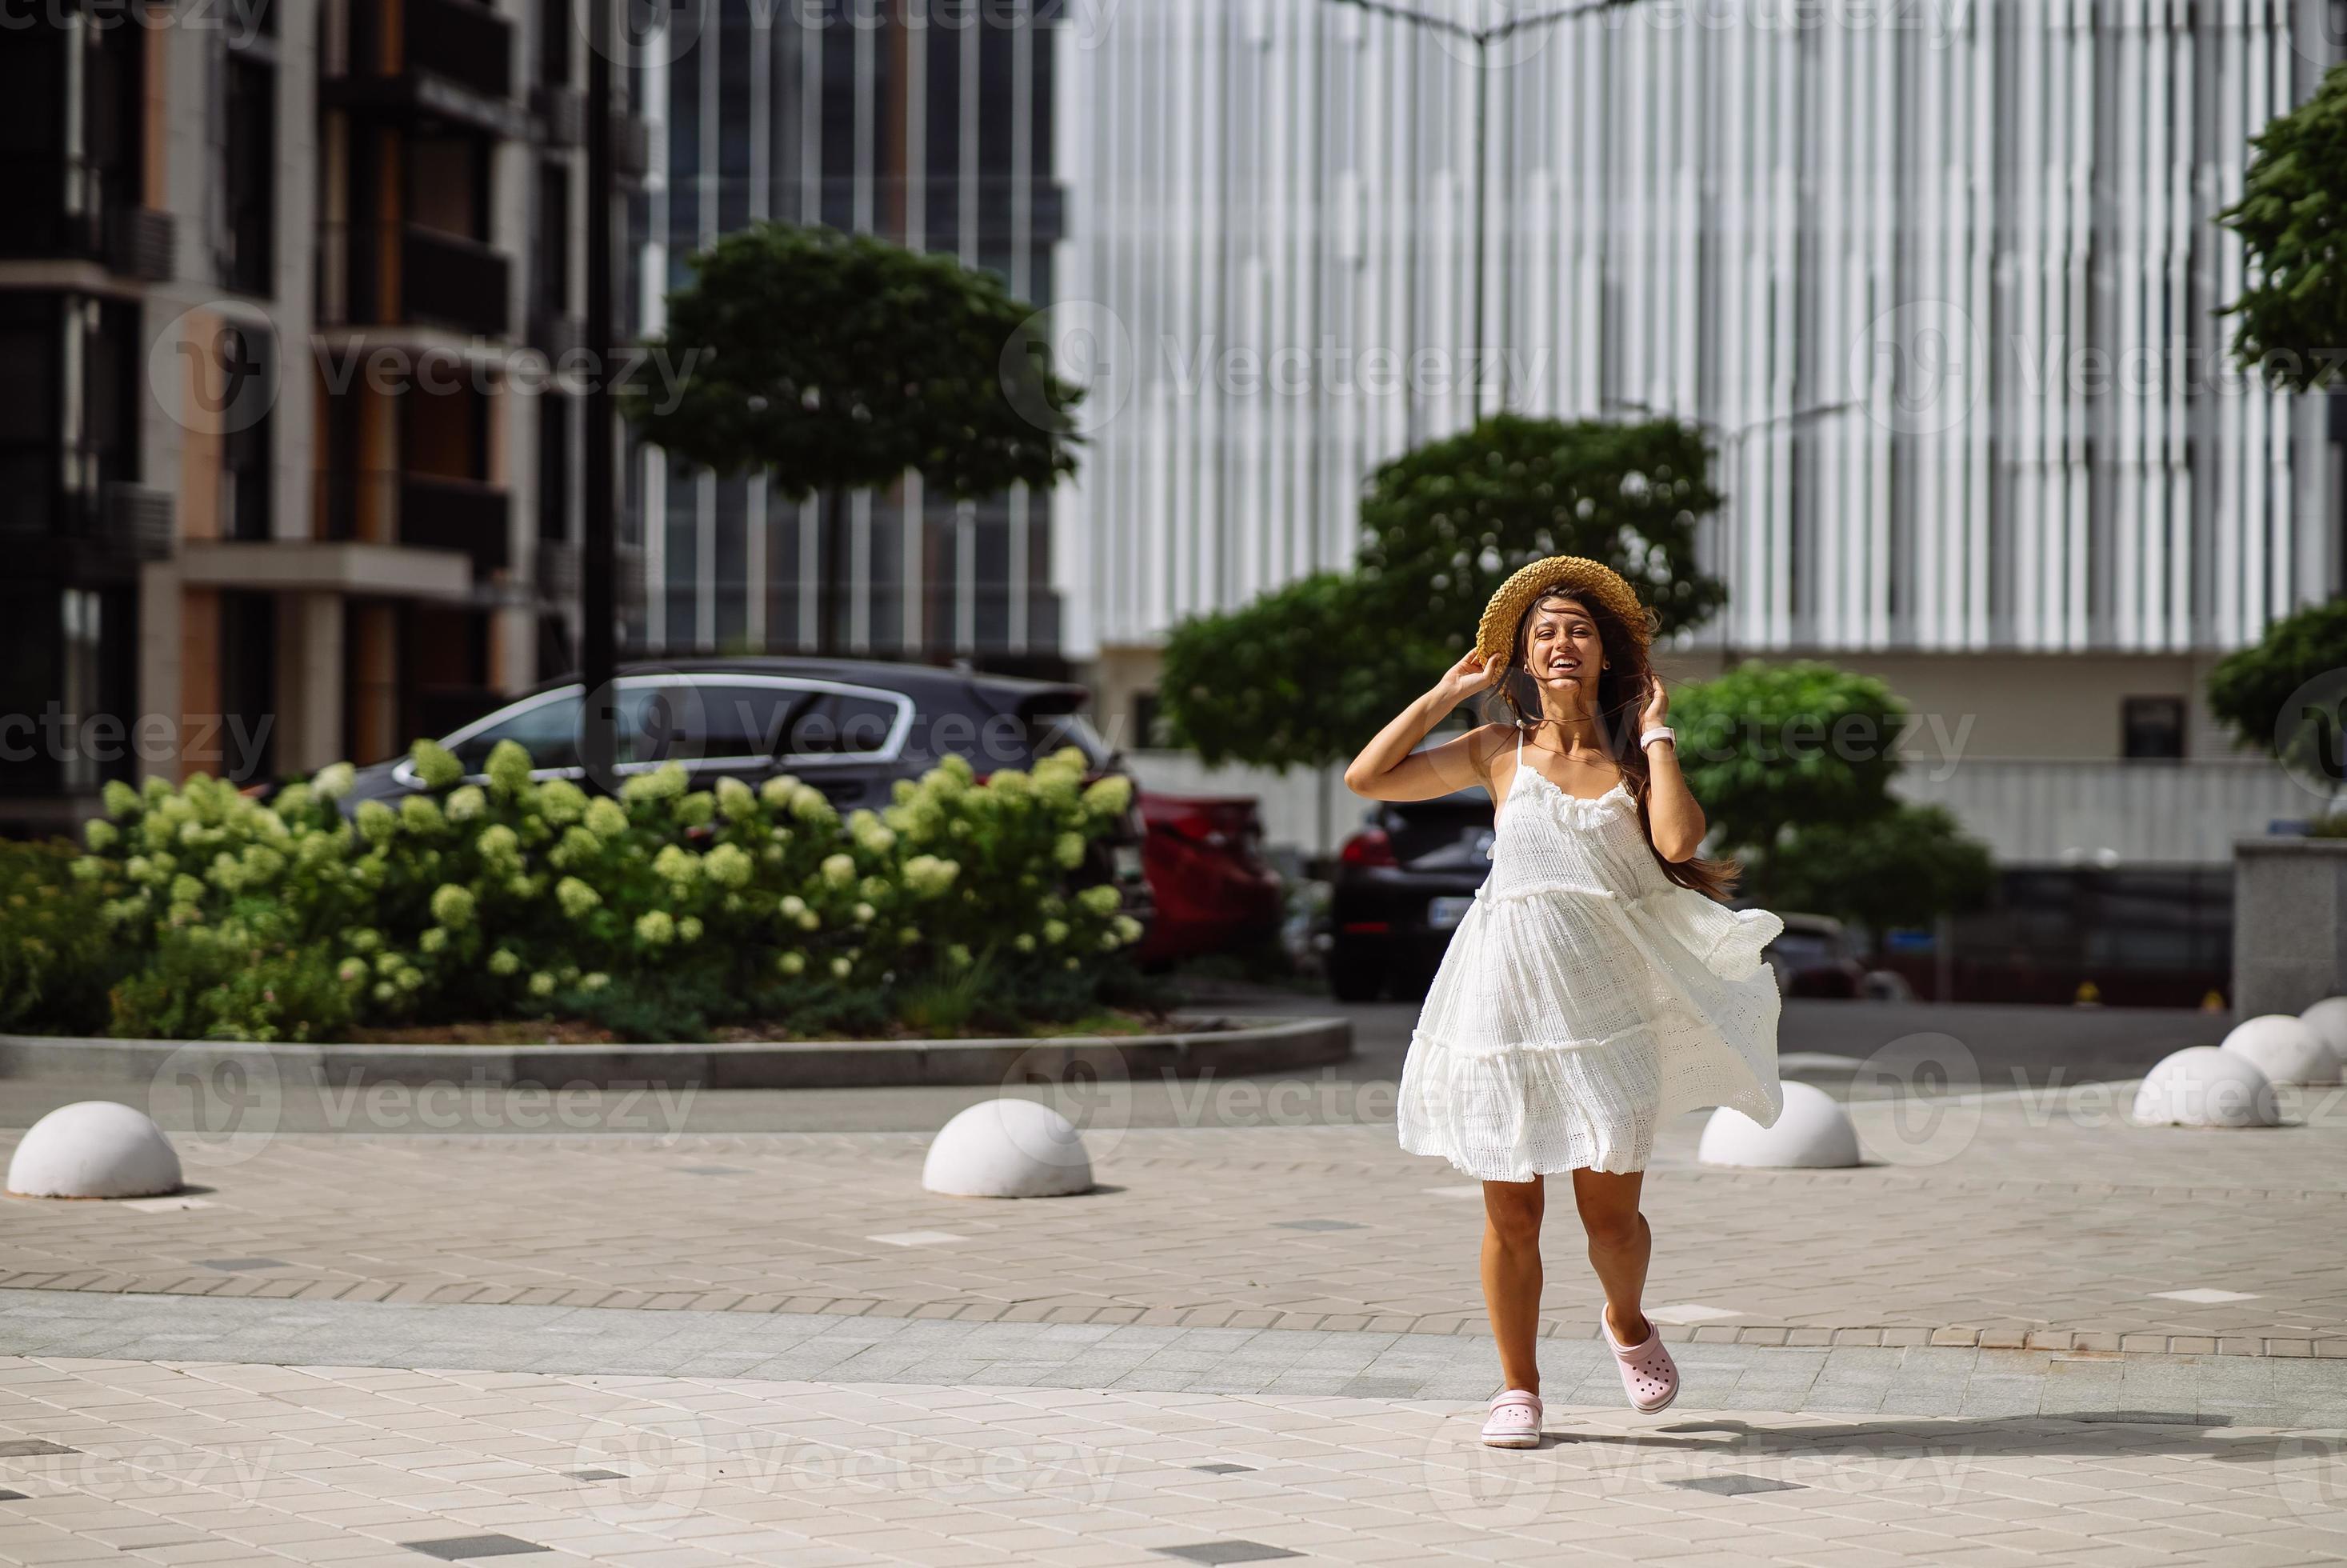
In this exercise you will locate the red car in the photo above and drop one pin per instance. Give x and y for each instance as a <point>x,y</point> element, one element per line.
<point>1213,889</point>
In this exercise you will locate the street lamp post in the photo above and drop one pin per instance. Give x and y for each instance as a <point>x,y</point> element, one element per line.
<point>598,568</point>
<point>1731,441</point>
<point>1482,39</point>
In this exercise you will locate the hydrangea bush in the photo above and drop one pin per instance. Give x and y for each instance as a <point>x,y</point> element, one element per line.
<point>662,913</point>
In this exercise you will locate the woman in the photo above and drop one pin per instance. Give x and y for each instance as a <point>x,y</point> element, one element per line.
<point>1598,986</point>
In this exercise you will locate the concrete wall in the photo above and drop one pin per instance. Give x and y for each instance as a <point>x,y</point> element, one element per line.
<point>2289,923</point>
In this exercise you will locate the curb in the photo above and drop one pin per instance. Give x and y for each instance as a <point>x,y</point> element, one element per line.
<point>1248,1045</point>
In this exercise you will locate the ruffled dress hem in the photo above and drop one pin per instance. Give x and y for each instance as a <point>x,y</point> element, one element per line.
<point>1584,1001</point>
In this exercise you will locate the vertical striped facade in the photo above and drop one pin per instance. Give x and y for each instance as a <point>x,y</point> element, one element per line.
<point>1940,277</point>
<point>929,124</point>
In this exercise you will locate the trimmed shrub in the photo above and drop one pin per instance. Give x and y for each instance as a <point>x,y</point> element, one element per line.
<point>661,913</point>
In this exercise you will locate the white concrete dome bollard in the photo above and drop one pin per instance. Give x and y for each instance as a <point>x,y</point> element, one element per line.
<point>2206,1086</point>
<point>2328,1020</point>
<point>94,1149</point>
<point>1812,1132</point>
<point>2285,1049</point>
<point>1008,1149</point>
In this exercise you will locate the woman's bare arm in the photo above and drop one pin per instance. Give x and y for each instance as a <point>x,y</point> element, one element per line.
<point>1672,811</point>
<point>1388,769</point>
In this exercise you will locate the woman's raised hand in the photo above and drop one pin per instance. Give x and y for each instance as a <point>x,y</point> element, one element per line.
<point>1468,676</point>
<point>1657,703</point>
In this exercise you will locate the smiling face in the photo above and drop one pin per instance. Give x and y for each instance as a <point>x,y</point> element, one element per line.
<point>1559,644</point>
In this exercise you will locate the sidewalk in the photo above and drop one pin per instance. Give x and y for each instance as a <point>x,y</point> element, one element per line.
<point>2026,1333</point>
<point>199,1462</point>
<point>2005,1222</point>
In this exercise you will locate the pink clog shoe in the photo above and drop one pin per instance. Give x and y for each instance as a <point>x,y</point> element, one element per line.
<point>1515,1421</point>
<point>1649,1376</point>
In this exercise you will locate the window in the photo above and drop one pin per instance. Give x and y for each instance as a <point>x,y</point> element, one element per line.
<point>248,176</point>
<point>553,466</point>
<point>2151,727</point>
<point>845,724</point>
<point>244,360</point>
<point>547,728</point>
<point>245,743</point>
<point>690,720</point>
<point>554,30</point>
<point>550,250</point>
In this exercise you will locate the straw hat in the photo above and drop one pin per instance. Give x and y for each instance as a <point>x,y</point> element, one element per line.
<point>1594,583</point>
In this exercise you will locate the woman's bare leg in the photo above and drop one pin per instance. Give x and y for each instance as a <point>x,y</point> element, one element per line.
<point>1620,1243</point>
<point>1512,1276</point>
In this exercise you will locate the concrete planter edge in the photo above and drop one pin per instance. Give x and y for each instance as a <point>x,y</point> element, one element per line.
<point>1252,1044</point>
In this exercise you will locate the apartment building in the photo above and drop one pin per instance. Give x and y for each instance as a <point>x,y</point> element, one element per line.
<point>293,480</point>
<point>931,125</point>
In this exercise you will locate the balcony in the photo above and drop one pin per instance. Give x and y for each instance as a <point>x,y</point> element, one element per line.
<point>407,275</point>
<point>135,522</point>
<point>561,114</point>
<point>452,59</point>
<point>141,243</point>
<point>376,509</point>
<point>96,532</point>
<point>462,515</point>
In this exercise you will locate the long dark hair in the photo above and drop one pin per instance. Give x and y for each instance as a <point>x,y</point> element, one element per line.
<point>1620,695</point>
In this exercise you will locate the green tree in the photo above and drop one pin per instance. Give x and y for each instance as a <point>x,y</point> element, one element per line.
<point>1904,866</point>
<point>1443,524</point>
<point>2250,690</point>
<point>2292,221</point>
<point>2273,695</point>
<point>1770,747</point>
<point>1299,678</point>
<point>831,362</point>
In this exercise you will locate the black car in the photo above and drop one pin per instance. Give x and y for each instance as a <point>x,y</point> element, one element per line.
<point>851,728</point>
<point>1400,886</point>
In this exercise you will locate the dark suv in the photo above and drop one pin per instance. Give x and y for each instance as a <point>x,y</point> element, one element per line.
<point>851,728</point>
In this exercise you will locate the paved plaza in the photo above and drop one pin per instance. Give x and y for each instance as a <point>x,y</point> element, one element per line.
<point>2023,1331</point>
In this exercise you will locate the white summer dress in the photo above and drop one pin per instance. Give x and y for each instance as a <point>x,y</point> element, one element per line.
<point>1584,999</point>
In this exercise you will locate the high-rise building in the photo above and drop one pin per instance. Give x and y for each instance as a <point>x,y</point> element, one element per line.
<point>929,124</point>
<point>287,479</point>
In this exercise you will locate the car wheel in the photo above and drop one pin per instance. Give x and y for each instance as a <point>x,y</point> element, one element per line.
<point>1352,978</point>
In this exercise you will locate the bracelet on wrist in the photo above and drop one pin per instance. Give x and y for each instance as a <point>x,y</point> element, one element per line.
<point>1659,733</point>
